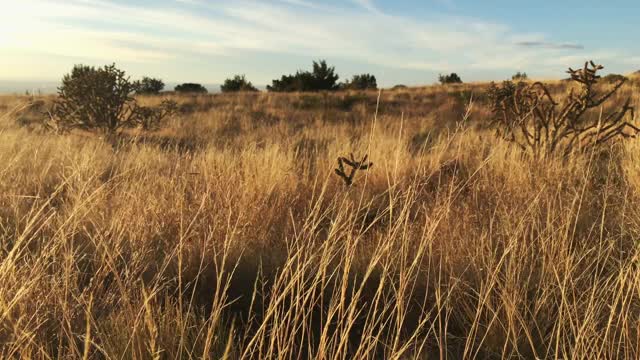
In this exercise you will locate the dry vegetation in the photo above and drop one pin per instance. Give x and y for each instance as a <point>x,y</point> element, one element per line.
<point>228,235</point>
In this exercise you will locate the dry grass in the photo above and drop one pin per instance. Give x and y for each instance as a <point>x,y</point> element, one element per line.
<point>227,235</point>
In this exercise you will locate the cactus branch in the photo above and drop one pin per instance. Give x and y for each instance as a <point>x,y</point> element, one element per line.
<point>354,165</point>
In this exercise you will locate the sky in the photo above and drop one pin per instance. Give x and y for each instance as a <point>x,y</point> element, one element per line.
<point>401,42</point>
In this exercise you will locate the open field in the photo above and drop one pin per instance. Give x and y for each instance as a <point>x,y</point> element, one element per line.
<point>226,234</point>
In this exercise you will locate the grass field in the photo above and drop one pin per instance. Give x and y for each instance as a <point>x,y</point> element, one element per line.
<point>226,234</point>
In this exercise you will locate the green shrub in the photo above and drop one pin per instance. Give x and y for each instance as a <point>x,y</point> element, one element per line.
<point>361,82</point>
<point>190,88</point>
<point>452,78</point>
<point>237,83</point>
<point>101,99</point>
<point>323,77</point>
<point>150,86</point>
<point>520,76</point>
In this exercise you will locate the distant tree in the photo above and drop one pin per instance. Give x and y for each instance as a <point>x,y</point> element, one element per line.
<point>452,78</point>
<point>191,88</point>
<point>399,87</point>
<point>361,82</point>
<point>520,76</point>
<point>301,81</point>
<point>237,83</point>
<point>323,77</point>
<point>149,86</point>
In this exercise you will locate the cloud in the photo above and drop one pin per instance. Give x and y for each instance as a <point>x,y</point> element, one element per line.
<point>550,45</point>
<point>368,5</point>
<point>174,31</point>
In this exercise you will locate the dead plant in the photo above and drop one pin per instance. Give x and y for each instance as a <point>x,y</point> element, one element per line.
<point>354,165</point>
<point>529,116</point>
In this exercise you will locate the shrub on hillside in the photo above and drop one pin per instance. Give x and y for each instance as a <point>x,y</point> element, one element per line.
<point>237,83</point>
<point>101,99</point>
<point>614,78</point>
<point>149,86</point>
<point>452,78</point>
<point>520,76</point>
<point>322,77</point>
<point>190,88</point>
<point>361,82</point>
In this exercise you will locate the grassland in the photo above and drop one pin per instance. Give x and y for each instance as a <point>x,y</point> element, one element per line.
<point>227,235</point>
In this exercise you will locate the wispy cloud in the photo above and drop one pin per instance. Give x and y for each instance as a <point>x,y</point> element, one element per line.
<point>175,30</point>
<point>550,45</point>
<point>367,4</point>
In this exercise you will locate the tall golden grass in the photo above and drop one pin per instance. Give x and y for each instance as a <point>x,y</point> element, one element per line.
<point>227,235</point>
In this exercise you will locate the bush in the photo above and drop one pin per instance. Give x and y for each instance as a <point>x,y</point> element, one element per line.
<point>323,77</point>
<point>520,76</point>
<point>237,83</point>
<point>614,78</point>
<point>191,88</point>
<point>101,100</point>
<point>361,82</point>
<point>529,116</point>
<point>301,81</point>
<point>399,87</point>
<point>150,86</point>
<point>452,78</point>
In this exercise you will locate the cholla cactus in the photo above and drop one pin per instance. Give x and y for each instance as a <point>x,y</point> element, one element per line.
<point>101,100</point>
<point>354,165</point>
<point>528,115</point>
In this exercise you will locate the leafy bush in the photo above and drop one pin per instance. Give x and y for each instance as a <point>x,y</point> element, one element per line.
<point>323,77</point>
<point>190,88</point>
<point>361,82</point>
<point>520,76</point>
<point>150,86</point>
<point>528,115</point>
<point>100,99</point>
<point>237,83</point>
<point>301,81</point>
<point>452,78</point>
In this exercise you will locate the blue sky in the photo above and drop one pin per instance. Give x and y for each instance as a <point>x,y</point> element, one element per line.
<point>407,42</point>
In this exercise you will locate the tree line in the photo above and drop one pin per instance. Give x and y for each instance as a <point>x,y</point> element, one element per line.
<point>321,77</point>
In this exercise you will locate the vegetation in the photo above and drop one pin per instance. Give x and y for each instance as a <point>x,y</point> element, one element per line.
<point>361,82</point>
<point>101,99</point>
<point>236,84</point>
<point>614,78</point>
<point>226,235</point>
<point>452,78</point>
<point>530,117</point>
<point>354,165</point>
<point>190,88</point>
<point>149,86</point>
<point>321,78</point>
<point>520,76</point>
